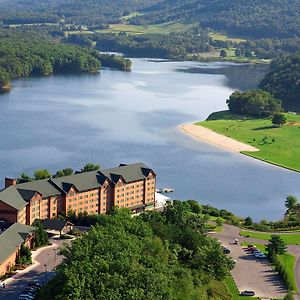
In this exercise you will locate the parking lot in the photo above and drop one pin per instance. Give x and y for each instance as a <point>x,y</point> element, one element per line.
<point>251,273</point>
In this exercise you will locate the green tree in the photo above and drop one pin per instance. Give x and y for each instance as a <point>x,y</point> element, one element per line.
<point>248,221</point>
<point>42,174</point>
<point>290,202</point>
<point>41,236</point>
<point>64,172</point>
<point>4,78</point>
<point>223,53</point>
<point>24,178</point>
<point>279,119</point>
<point>257,103</point>
<point>90,167</point>
<point>24,255</point>
<point>275,246</point>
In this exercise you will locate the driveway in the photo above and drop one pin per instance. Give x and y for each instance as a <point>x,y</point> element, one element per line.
<point>39,272</point>
<point>251,273</point>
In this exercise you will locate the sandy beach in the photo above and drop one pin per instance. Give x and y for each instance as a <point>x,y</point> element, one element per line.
<point>207,135</point>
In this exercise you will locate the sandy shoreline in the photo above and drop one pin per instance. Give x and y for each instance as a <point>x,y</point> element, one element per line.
<point>207,135</point>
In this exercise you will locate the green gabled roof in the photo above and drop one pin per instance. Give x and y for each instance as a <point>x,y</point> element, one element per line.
<point>81,181</point>
<point>130,173</point>
<point>43,186</point>
<point>12,197</point>
<point>18,195</point>
<point>12,238</point>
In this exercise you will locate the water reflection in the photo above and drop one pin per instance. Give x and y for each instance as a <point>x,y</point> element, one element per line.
<point>114,117</point>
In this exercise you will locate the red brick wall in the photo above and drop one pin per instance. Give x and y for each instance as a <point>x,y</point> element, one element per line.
<point>7,212</point>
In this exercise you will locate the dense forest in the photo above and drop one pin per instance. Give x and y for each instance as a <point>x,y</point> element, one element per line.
<point>152,256</point>
<point>155,45</point>
<point>255,18</point>
<point>284,81</point>
<point>251,18</point>
<point>26,52</point>
<point>88,12</point>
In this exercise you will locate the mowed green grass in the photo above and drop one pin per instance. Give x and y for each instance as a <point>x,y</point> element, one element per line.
<point>289,239</point>
<point>280,146</point>
<point>288,261</point>
<point>165,28</point>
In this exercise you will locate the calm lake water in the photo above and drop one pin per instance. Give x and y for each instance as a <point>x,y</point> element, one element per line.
<point>118,117</point>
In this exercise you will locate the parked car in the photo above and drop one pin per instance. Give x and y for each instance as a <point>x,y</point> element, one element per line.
<point>247,293</point>
<point>225,250</point>
<point>261,255</point>
<point>26,297</point>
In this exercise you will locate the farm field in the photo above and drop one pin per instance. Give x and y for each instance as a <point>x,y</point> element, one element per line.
<point>165,28</point>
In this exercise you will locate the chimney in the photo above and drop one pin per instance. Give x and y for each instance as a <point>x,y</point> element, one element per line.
<point>10,181</point>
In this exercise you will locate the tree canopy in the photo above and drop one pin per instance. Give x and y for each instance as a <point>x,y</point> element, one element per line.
<point>152,256</point>
<point>283,81</point>
<point>257,103</point>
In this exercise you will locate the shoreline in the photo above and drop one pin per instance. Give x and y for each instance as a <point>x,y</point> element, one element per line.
<point>201,133</point>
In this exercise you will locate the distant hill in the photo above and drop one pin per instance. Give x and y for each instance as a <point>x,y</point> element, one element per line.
<point>88,12</point>
<point>252,18</point>
<point>249,18</point>
<point>284,81</point>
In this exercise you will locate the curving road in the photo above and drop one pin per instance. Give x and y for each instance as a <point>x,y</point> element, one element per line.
<point>251,273</point>
<point>38,272</point>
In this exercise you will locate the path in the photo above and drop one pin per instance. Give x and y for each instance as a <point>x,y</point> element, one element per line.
<point>38,272</point>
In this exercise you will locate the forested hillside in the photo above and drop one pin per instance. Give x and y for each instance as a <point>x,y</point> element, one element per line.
<point>284,81</point>
<point>89,12</point>
<point>251,18</point>
<point>26,52</point>
<point>149,257</point>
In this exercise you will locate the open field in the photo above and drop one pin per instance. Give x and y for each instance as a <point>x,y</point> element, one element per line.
<point>221,37</point>
<point>289,238</point>
<point>130,16</point>
<point>165,28</point>
<point>279,146</point>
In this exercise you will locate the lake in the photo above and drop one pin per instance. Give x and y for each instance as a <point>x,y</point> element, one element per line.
<point>122,117</point>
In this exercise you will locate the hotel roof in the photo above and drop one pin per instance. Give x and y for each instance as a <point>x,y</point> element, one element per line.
<point>17,196</point>
<point>12,238</point>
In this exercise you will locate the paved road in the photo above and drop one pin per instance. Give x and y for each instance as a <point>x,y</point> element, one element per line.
<point>293,249</point>
<point>39,272</point>
<point>251,273</point>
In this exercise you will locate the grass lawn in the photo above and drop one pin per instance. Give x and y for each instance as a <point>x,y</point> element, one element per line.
<point>280,146</point>
<point>289,239</point>
<point>260,247</point>
<point>288,262</point>
<point>221,37</point>
<point>165,28</point>
<point>231,286</point>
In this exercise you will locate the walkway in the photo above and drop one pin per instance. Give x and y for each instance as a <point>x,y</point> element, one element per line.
<point>38,272</point>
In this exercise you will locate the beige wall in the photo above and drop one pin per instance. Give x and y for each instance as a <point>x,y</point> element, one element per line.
<point>22,216</point>
<point>8,263</point>
<point>11,261</point>
<point>85,201</point>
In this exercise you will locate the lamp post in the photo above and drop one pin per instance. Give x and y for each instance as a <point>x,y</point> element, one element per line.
<point>54,257</point>
<point>45,266</point>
